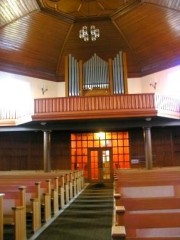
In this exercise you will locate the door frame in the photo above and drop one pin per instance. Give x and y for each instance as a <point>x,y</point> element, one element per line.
<point>100,149</point>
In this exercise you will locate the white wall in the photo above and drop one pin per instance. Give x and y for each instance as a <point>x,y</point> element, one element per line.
<point>54,89</point>
<point>134,85</point>
<point>166,82</point>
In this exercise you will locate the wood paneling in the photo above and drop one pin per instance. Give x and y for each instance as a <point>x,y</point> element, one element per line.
<point>34,41</point>
<point>137,150</point>
<point>172,4</point>
<point>21,151</point>
<point>86,8</point>
<point>24,150</point>
<point>165,142</point>
<point>15,9</point>
<point>60,150</point>
<point>176,146</point>
<point>152,33</point>
<point>107,46</point>
<point>162,147</point>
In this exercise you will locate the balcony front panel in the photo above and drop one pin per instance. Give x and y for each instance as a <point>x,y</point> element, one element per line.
<point>113,106</point>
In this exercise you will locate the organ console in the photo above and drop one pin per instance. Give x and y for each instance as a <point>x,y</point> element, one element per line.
<point>96,76</point>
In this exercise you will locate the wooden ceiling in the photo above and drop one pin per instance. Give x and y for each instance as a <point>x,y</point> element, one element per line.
<point>35,36</point>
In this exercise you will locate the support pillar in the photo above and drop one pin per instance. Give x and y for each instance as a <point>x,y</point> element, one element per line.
<point>148,147</point>
<point>47,160</point>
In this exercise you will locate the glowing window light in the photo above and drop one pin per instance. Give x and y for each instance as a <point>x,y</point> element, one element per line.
<point>100,135</point>
<point>16,102</point>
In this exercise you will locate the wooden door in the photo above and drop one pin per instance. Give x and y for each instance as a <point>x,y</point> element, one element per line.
<point>100,164</point>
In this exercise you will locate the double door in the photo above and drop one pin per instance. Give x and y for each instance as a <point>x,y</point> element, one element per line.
<point>100,164</point>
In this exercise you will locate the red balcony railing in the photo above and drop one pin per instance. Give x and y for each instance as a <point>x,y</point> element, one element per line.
<point>112,106</point>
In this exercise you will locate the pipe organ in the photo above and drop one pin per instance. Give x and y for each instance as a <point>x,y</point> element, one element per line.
<point>73,75</point>
<point>96,76</point>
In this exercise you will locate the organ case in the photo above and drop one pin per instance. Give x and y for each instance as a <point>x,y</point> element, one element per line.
<point>96,76</point>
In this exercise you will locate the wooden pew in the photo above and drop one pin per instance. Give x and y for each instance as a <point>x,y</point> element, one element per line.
<point>150,223</point>
<point>118,231</point>
<point>160,203</point>
<point>152,204</point>
<point>61,192</point>
<point>150,215</point>
<point>29,203</point>
<point>36,198</point>
<point>32,202</point>
<point>45,194</point>
<point>1,216</point>
<point>39,175</point>
<point>45,200</point>
<point>14,213</point>
<point>49,187</point>
<point>55,190</point>
<point>129,177</point>
<point>78,179</point>
<point>55,195</point>
<point>33,205</point>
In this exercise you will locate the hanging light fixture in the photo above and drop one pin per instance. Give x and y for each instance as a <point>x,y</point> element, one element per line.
<point>91,33</point>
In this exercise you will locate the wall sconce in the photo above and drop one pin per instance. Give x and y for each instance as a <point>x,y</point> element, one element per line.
<point>153,85</point>
<point>44,90</point>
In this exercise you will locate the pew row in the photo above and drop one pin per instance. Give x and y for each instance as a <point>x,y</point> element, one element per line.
<point>1,215</point>
<point>41,190</point>
<point>34,197</point>
<point>147,204</point>
<point>14,212</point>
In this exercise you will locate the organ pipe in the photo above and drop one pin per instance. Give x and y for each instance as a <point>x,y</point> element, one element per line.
<point>96,74</point>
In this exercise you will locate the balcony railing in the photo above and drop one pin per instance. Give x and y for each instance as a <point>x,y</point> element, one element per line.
<point>112,106</point>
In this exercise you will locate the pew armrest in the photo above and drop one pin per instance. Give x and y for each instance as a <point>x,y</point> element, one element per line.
<point>117,195</point>
<point>120,209</point>
<point>118,232</point>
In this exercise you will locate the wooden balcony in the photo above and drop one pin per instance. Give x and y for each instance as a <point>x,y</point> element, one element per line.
<point>101,107</point>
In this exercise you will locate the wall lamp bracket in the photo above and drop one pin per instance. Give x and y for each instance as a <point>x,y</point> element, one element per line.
<point>153,85</point>
<point>44,90</point>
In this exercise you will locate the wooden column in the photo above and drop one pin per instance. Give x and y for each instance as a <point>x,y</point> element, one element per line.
<point>148,147</point>
<point>47,141</point>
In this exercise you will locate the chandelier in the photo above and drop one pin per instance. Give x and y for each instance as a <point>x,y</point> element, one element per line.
<point>91,33</point>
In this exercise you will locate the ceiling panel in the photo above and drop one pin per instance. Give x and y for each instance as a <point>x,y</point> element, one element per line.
<point>152,33</point>
<point>173,4</point>
<point>36,48</point>
<point>86,8</point>
<point>11,10</point>
<point>35,36</point>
